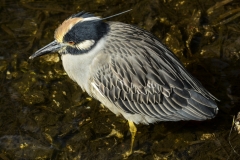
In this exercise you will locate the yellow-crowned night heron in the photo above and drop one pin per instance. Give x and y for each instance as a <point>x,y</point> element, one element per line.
<point>129,71</point>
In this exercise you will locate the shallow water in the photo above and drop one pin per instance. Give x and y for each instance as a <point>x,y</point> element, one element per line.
<point>44,115</point>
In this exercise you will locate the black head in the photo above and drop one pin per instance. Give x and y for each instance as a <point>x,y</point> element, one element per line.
<point>76,35</point>
<point>84,35</point>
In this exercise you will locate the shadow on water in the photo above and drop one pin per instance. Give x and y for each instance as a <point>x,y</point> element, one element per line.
<point>44,115</point>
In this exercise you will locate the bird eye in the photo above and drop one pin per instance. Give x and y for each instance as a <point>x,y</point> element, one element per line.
<point>71,43</point>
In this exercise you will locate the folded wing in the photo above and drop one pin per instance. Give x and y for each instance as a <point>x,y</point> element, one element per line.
<point>143,77</point>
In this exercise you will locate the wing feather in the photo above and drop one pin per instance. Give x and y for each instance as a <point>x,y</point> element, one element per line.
<point>143,77</point>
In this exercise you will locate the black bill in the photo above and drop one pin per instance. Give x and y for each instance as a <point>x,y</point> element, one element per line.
<point>51,47</point>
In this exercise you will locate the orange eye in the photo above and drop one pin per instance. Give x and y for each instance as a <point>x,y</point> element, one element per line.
<point>71,42</point>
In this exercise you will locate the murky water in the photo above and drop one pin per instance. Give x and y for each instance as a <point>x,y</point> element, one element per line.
<point>44,115</point>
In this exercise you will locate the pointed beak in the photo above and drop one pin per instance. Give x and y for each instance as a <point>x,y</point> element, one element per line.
<point>51,47</point>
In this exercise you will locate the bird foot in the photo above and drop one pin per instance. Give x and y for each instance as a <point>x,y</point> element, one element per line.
<point>127,154</point>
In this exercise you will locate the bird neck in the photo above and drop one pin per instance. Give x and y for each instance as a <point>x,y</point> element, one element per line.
<point>78,67</point>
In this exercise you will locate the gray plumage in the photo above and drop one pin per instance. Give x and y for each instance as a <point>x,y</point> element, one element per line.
<point>141,76</point>
<point>131,72</point>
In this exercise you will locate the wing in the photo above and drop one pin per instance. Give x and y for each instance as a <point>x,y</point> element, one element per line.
<point>141,76</point>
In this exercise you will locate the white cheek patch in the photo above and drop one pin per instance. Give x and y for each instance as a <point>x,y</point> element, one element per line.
<point>91,19</point>
<point>85,45</point>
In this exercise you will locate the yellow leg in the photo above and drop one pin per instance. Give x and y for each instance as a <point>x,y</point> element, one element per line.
<point>133,130</point>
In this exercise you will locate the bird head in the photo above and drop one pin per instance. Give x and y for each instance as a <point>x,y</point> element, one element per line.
<point>76,35</point>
